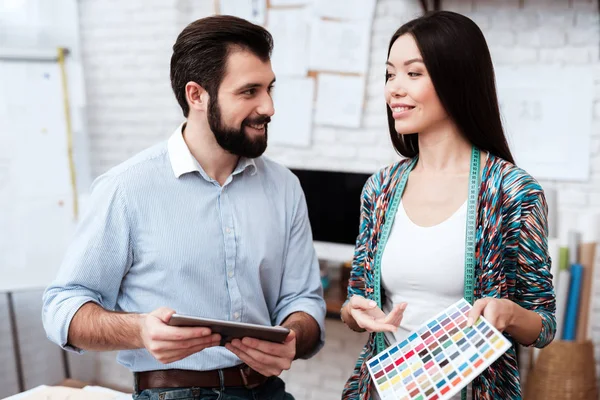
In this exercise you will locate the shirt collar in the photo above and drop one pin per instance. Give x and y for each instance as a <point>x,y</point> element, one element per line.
<point>183,162</point>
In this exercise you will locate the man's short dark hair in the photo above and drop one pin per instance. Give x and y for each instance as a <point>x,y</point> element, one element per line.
<point>201,50</point>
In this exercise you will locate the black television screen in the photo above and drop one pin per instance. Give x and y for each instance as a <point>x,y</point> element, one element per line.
<point>333,200</point>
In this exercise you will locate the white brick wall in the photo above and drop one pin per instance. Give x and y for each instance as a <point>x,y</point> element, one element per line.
<point>126,53</point>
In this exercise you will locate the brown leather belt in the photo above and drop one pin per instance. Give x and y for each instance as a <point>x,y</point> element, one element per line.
<point>238,376</point>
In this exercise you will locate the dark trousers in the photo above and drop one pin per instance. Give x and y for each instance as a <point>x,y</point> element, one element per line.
<point>272,389</point>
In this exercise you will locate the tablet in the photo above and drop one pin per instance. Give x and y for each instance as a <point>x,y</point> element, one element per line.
<point>230,330</point>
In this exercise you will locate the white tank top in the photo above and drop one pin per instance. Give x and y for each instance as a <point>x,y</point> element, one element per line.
<point>423,267</point>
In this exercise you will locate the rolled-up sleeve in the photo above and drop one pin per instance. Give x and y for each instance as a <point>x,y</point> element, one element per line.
<point>301,289</point>
<point>534,290</point>
<point>95,262</point>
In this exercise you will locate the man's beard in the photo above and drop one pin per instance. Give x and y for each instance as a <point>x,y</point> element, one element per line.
<point>236,141</point>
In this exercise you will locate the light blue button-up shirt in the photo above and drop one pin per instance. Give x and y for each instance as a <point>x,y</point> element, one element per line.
<point>160,232</point>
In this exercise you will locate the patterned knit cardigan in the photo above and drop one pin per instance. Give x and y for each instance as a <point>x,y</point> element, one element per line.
<point>511,254</point>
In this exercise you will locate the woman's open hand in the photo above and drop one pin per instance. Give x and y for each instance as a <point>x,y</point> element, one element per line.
<point>371,318</point>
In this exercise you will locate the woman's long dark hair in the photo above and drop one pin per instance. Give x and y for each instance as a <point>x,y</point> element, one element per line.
<point>458,60</point>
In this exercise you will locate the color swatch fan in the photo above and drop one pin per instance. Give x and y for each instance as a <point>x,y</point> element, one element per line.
<point>439,359</point>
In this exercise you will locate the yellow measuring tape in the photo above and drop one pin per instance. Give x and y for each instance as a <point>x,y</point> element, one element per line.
<point>65,88</point>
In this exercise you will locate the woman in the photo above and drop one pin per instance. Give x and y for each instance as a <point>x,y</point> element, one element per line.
<point>411,259</point>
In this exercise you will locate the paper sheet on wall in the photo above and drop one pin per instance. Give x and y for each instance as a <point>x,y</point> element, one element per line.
<point>340,100</point>
<point>289,28</point>
<point>547,114</point>
<point>340,46</point>
<point>252,10</point>
<point>36,197</point>
<point>292,123</point>
<point>344,9</point>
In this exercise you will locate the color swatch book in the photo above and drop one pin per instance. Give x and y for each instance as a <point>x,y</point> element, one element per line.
<point>439,359</point>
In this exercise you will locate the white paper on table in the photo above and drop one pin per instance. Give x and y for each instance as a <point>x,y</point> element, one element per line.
<point>340,100</point>
<point>100,389</point>
<point>252,10</point>
<point>292,122</point>
<point>340,46</point>
<point>26,393</point>
<point>289,28</point>
<point>344,9</point>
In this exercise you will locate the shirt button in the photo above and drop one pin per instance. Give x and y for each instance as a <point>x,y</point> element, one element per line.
<point>236,315</point>
<point>228,230</point>
<point>230,274</point>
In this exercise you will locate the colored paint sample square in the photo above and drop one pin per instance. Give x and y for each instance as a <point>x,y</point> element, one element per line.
<point>434,370</point>
<point>440,357</point>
